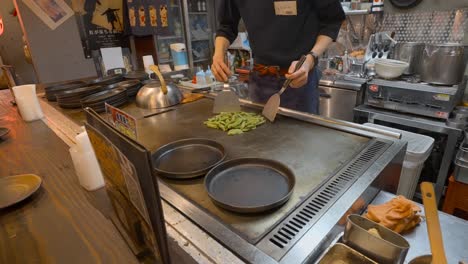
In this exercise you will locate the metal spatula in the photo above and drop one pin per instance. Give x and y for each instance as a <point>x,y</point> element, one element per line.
<point>226,101</point>
<point>271,107</point>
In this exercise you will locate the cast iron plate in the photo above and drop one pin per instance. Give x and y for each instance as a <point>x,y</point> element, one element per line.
<point>250,185</point>
<point>188,158</point>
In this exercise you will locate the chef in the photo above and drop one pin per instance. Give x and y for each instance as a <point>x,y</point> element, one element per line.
<point>280,32</point>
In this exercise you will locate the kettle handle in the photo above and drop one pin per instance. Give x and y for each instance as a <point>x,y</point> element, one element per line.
<point>155,69</point>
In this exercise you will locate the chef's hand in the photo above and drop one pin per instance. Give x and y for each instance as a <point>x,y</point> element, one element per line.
<point>299,78</point>
<point>219,68</point>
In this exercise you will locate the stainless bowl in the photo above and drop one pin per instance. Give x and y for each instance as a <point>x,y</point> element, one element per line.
<point>340,253</point>
<point>391,248</point>
<point>151,96</point>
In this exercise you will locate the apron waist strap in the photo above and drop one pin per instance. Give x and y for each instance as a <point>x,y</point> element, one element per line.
<point>263,70</point>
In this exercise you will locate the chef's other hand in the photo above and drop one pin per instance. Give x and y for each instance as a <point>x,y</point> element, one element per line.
<point>299,78</point>
<point>219,69</point>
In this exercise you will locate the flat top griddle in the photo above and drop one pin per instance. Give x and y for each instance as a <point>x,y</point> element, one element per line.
<point>312,152</point>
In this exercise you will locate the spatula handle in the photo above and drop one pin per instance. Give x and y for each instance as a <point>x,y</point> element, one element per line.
<point>433,224</point>
<point>288,81</point>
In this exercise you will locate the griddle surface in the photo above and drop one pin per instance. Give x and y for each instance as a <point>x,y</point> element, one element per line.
<point>312,152</point>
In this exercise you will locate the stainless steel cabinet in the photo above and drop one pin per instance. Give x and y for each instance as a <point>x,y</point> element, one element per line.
<point>338,103</point>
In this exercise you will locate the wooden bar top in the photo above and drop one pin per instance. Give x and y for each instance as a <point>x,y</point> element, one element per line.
<point>61,223</point>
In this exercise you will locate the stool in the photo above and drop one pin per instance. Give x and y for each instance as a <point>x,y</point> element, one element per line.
<point>456,197</point>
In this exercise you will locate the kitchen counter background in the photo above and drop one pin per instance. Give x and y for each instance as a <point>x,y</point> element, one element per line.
<point>181,229</point>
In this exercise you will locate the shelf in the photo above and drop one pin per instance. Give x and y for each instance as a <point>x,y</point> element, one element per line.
<point>168,37</point>
<point>356,12</point>
<point>198,13</point>
<point>203,39</point>
<point>199,60</point>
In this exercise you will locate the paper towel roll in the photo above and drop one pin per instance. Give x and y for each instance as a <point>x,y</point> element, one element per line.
<point>87,169</point>
<point>28,104</point>
<point>83,143</point>
<point>147,61</point>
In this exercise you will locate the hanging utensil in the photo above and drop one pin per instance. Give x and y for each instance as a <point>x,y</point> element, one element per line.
<point>433,224</point>
<point>271,107</point>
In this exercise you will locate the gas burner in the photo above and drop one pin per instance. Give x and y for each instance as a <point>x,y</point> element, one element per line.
<point>418,98</point>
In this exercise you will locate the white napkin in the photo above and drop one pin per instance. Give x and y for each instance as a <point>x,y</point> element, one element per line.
<point>27,102</point>
<point>86,165</point>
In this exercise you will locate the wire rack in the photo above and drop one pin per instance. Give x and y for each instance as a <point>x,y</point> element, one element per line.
<point>433,27</point>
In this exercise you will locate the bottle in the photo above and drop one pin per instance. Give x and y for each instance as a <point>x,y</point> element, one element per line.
<point>199,5</point>
<point>339,64</point>
<point>201,80</point>
<point>209,76</point>
<point>346,62</point>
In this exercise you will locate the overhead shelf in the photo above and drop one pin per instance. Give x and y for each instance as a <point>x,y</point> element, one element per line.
<point>169,37</point>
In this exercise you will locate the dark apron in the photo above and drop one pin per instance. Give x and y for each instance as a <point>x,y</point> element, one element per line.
<point>304,99</point>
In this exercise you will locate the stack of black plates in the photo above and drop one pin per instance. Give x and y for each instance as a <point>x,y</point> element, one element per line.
<point>136,75</point>
<point>72,98</point>
<point>52,89</point>
<point>109,79</point>
<point>115,97</point>
<point>132,86</point>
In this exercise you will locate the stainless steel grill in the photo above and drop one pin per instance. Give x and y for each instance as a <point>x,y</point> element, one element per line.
<point>283,237</point>
<point>334,165</point>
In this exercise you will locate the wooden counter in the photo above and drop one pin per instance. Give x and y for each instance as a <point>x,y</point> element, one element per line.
<point>62,222</point>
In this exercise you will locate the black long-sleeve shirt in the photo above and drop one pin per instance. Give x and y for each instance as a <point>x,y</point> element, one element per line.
<point>279,40</point>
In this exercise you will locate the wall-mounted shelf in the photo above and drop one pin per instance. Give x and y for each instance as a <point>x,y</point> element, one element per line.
<point>200,60</point>
<point>356,12</point>
<point>202,39</point>
<point>169,37</point>
<point>165,61</point>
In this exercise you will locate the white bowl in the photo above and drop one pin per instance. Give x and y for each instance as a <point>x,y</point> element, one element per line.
<point>390,69</point>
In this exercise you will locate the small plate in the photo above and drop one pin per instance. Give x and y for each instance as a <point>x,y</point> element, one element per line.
<point>14,189</point>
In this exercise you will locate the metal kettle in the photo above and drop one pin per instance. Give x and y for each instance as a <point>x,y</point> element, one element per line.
<point>158,94</point>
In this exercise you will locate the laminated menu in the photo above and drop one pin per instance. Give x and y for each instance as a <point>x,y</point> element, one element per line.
<point>131,187</point>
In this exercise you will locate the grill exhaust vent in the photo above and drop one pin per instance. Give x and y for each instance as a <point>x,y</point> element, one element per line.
<point>293,227</point>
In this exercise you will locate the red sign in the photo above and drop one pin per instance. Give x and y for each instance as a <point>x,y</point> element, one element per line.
<point>124,122</point>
